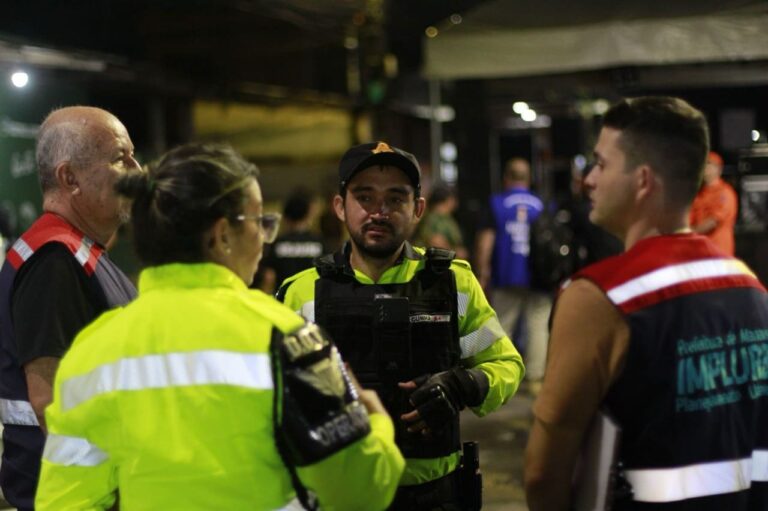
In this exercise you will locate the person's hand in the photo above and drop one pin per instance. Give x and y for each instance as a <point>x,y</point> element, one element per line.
<point>412,418</point>
<point>434,406</point>
<point>439,398</point>
<point>371,401</point>
<point>369,398</point>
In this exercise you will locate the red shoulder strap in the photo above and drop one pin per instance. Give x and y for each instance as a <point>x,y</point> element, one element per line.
<point>664,267</point>
<point>50,228</point>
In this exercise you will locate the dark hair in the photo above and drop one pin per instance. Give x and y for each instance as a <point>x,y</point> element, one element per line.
<point>183,195</point>
<point>297,205</point>
<point>441,193</point>
<point>668,134</point>
<point>517,169</point>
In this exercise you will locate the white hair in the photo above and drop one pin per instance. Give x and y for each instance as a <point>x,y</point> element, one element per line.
<point>59,142</point>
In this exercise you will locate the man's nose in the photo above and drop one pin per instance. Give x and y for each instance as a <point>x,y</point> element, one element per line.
<point>379,208</point>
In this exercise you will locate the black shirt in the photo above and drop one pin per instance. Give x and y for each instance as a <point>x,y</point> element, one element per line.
<point>292,253</point>
<point>52,301</point>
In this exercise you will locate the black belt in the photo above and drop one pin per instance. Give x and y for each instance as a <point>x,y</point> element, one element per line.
<point>437,495</point>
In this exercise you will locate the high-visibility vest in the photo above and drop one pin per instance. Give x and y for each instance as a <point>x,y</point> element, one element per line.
<point>104,280</point>
<point>692,399</point>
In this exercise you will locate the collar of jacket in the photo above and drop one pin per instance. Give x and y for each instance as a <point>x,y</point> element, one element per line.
<point>342,257</point>
<point>189,275</point>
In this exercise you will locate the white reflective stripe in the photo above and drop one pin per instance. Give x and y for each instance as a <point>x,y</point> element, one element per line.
<point>702,480</point>
<point>210,367</point>
<point>760,466</point>
<point>84,251</point>
<point>293,505</point>
<point>307,311</point>
<point>475,342</point>
<point>676,274</point>
<point>72,451</point>
<point>21,248</point>
<point>17,412</point>
<point>463,303</point>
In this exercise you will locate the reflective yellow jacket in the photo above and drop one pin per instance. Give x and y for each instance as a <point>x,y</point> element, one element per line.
<point>170,400</point>
<point>484,344</point>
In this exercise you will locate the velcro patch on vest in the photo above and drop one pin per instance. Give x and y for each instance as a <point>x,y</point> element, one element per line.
<point>304,342</point>
<point>431,318</point>
<point>320,413</point>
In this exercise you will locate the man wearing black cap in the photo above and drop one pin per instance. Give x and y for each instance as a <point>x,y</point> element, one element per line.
<point>413,324</point>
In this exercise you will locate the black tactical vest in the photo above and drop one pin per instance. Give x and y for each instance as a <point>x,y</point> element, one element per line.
<point>390,333</point>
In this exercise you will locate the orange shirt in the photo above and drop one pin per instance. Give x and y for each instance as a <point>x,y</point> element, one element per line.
<point>717,201</point>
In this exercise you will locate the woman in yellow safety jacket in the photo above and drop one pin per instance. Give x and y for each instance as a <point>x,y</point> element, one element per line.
<point>202,394</point>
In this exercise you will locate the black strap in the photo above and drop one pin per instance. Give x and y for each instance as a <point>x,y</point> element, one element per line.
<point>307,501</point>
<point>326,265</point>
<point>439,259</point>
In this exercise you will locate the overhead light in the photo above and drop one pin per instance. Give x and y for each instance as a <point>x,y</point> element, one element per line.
<point>456,19</point>
<point>600,106</point>
<point>580,162</point>
<point>448,172</point>
<point>755,136</point>
<point>529,115</point>
<point>441,113</point>
<point>19,79</point>
<point>519,107</point>
<point>431,32</point>
<point>448,151</point>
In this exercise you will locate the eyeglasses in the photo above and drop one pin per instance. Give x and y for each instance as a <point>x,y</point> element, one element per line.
<point>269,222</point>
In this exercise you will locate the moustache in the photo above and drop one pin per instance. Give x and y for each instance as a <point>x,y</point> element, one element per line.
<point>378,225</point>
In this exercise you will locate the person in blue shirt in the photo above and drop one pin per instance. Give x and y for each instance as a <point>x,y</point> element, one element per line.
<point>502,253</point>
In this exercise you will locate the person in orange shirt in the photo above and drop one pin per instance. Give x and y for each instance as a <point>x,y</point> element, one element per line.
<point>714,209</point>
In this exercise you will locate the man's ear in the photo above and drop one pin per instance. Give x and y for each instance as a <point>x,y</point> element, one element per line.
<point>66,178</point>
<point>338,208</point>
<point>217,241</point>
<point>647,182</point>
<point>421,207</point>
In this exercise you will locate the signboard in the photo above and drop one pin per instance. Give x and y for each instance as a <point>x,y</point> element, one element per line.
<point>21,111</point>
<point>20,197</point>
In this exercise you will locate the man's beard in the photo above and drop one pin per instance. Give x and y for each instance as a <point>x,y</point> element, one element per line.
<point>377,251</point>
<point>125,216</point>
<point>124,212</point>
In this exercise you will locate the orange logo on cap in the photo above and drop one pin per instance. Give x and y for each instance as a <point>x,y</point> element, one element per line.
<point>383,148</point>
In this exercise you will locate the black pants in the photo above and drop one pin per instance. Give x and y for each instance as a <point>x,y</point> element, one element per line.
<point>438,495</point>
<point>22,450</point>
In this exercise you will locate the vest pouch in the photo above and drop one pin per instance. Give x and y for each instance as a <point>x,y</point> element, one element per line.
<point>392,338</point>
<point>434,328</point>
<point>348,321</point>
<point>391,332</point>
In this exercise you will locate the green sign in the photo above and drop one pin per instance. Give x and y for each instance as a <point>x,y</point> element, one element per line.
<point>21,111</point>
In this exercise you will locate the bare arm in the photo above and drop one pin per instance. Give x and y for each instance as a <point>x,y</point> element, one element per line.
<point>549,464</point>
<point>40,373</point>
<point>483,250</point>
<point>585,358</point>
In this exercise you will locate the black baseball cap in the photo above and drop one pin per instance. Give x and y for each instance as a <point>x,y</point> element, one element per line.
<point>367,155</point>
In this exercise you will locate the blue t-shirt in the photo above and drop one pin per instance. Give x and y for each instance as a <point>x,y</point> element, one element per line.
<point>513,212</point>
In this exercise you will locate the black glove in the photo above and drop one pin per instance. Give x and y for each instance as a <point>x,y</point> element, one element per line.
<point>443,395</point>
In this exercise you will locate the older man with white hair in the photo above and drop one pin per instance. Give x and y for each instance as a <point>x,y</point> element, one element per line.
<point>57,277</point>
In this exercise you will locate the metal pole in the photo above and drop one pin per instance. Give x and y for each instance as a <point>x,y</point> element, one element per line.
<point>435,129</point>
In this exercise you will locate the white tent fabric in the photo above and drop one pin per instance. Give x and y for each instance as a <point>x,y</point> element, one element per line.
<point>474,50</point>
